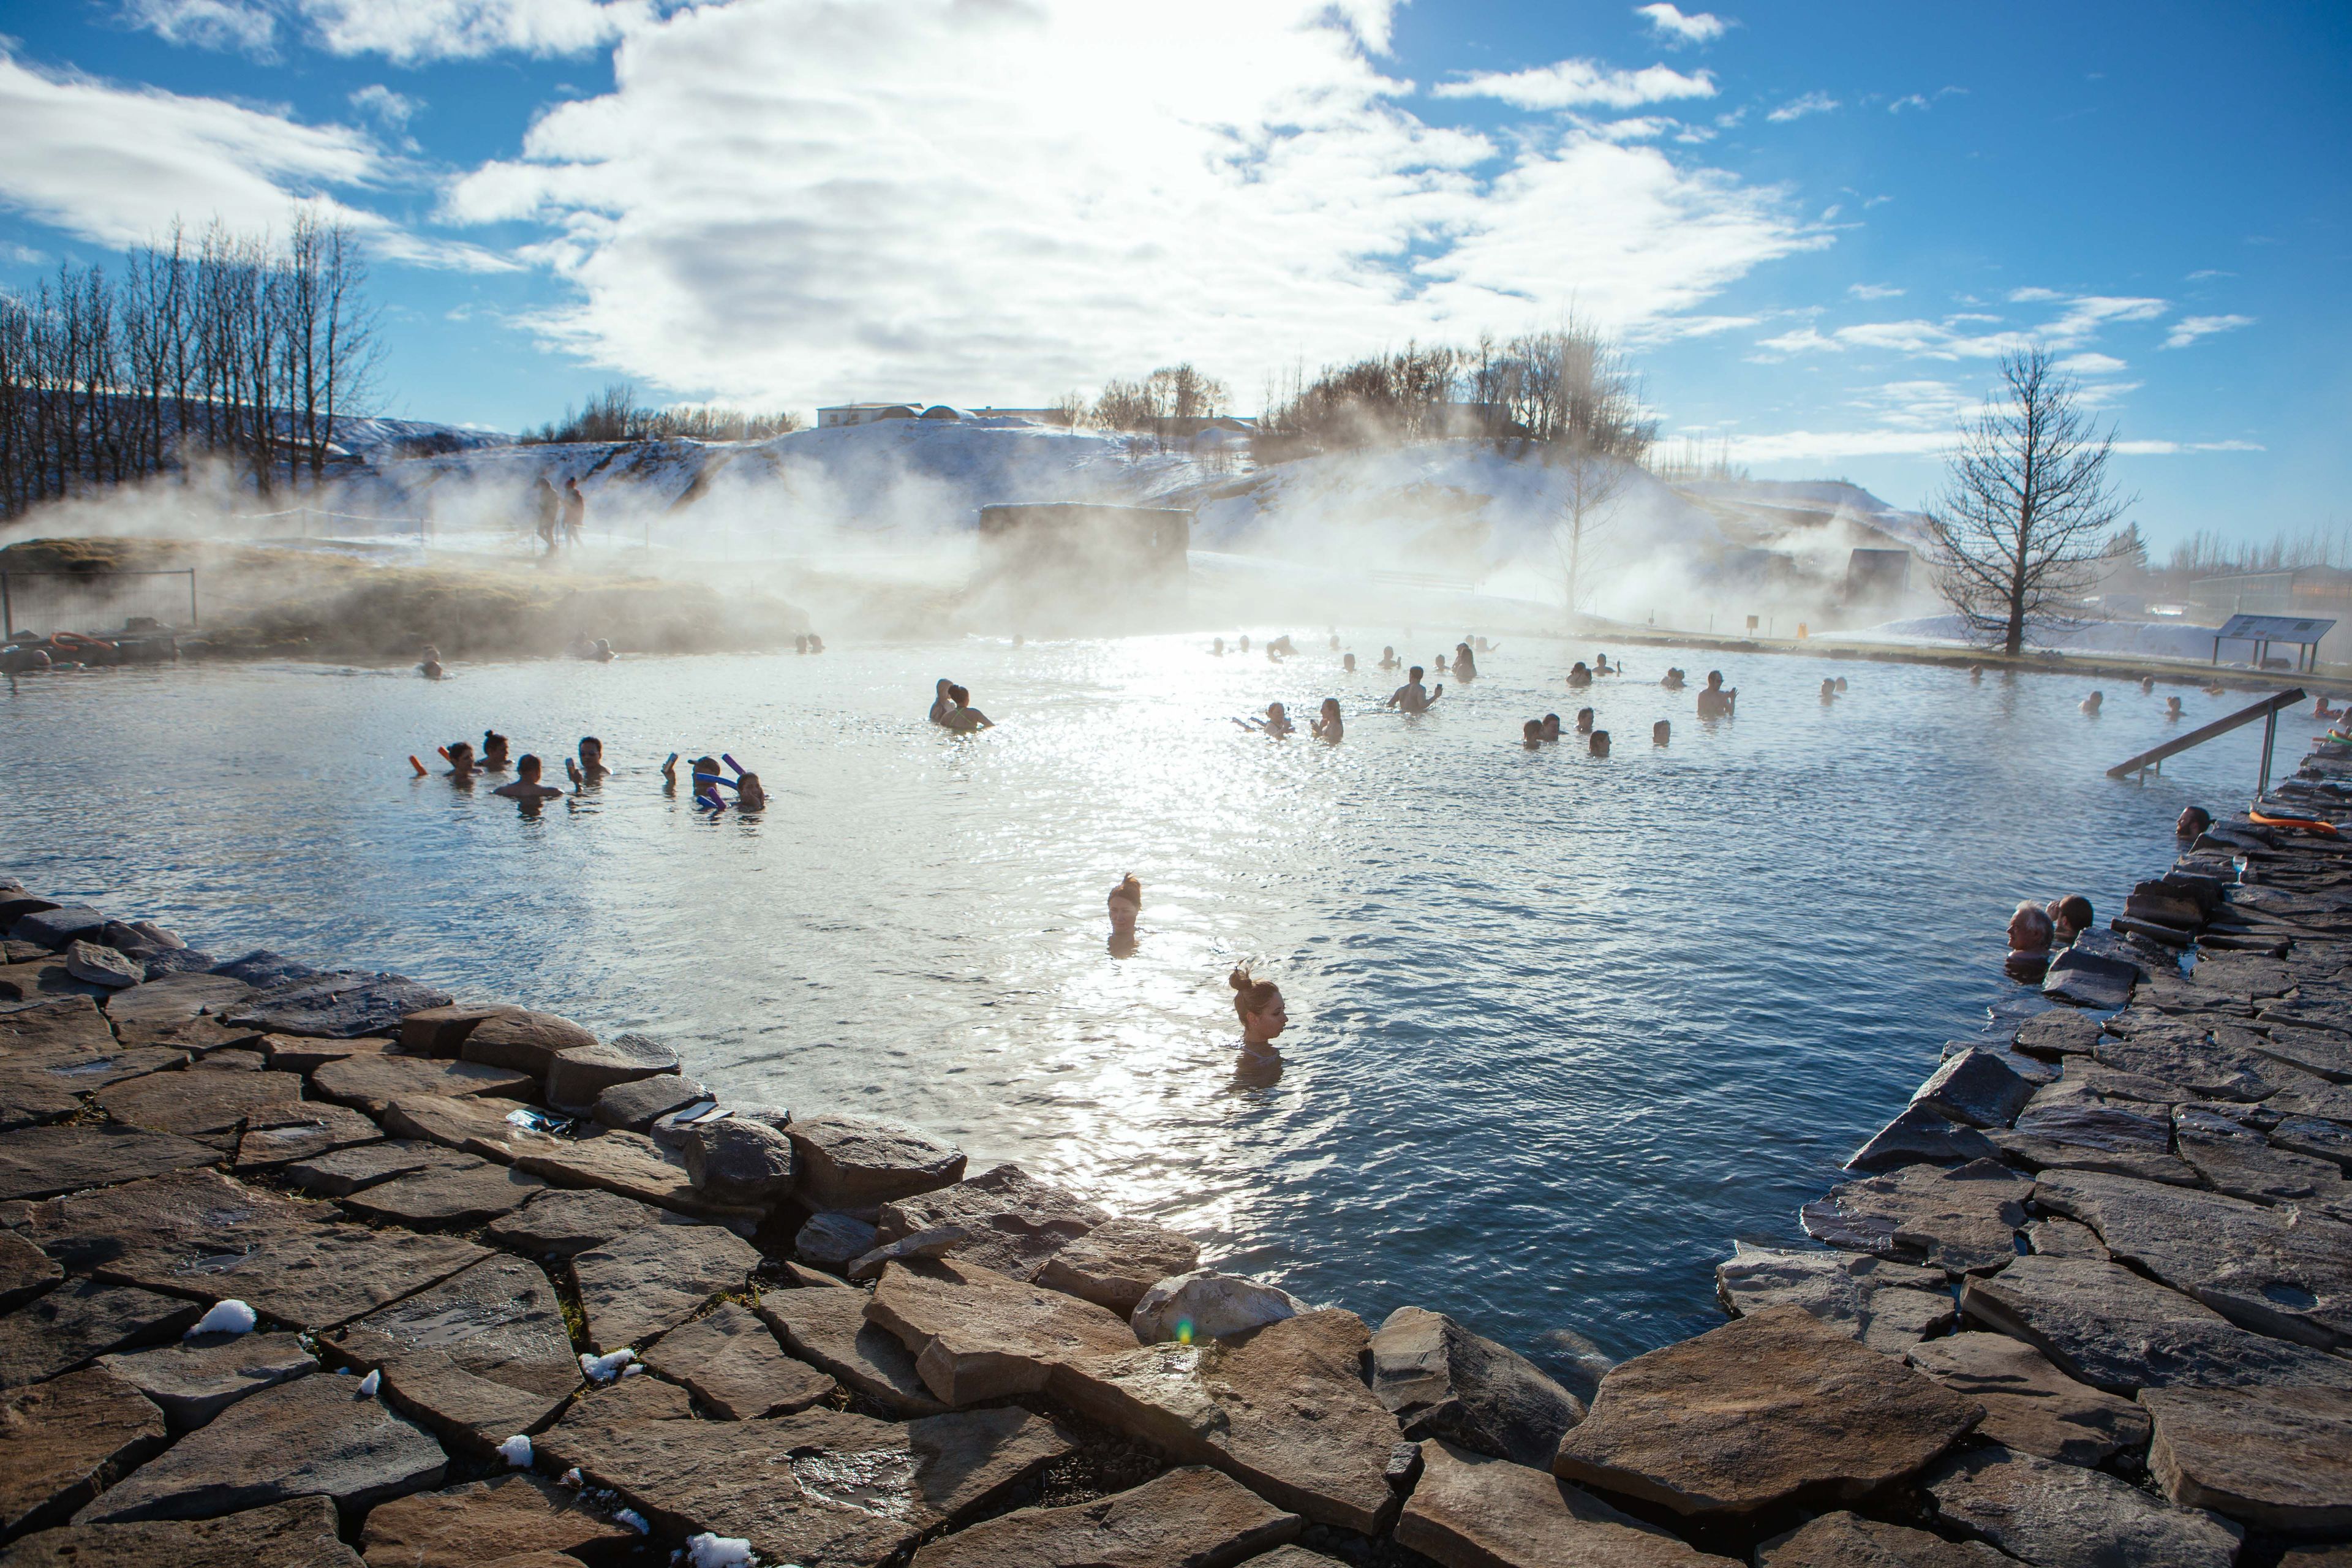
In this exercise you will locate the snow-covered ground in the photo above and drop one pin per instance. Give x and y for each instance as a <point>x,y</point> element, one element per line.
<point>2146,640</point>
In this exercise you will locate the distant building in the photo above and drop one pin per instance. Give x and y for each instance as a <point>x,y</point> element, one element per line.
<point>841,414</point>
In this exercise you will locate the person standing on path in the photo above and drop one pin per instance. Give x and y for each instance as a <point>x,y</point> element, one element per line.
<point>575,512</point>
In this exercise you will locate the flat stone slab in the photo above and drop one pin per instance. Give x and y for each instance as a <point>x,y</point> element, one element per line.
<point>1848,1541</point>
<point>1887,1306</point>
<point>68,1024</point>
<point>337,1005</point>
<point>2063,1239</point>
<point>2030,1405</point>
<point>1015,1222</point>
<point>203,1231</point>
<point>63,1442</point>
<point>1115,1263</point>
<point>857,1166</point>
<point>298,1534</point>
<point>2237,1159</point>
<point>478,1358</point>
<point>833,1240</point>
<point>470,1125</point>
<point>2277,1458</point>
<point>2272,1270</point>
<point>1964,1219</point>
<point>1767,1408</point>
<point>523,1041</point>
<point>194,1380</point>
<point>313,1436</point>
<point>1920,1136</point>
<point>59,925</point>
<point>40,1161</point>
<point>734,1366</point>
<point>634,1106</point>
<point>627,1165</point>
<point>175,999</point>
<point>1441,1381</point>
<point>372,1082</point>
<point>1284,1411</point>
<point>827,1329</point>
<point>2060,1032</point>
<point>442,1031</point>
<point>343,1172</point>
<point>47,979</point>
<point>600,1413</point>
<point>2068,1128</point>
<point>2192,1058</point>
<point>82,1319</point>
<point>453,1195</point>
<point>577,1079</point>
<point>2102,1324</point>
<point>2088,981</point>
<point>1473,1511</point>
<point>486,1521</point>
<point>25,1271</point>
<point>2063,1516</point>
<point>205,1106</point>
<point>36,1088</point>
<point>305,1054</point>
<point>1186,1519</point>
<point>2319,1051</point>
<point>977,1334</point>
<point>560,1222</point>
<point>278,1136</point>
<point>651,1280</point>
<point>822,1487</point>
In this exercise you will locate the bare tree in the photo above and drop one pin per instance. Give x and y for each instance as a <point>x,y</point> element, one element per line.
<point>1591,486</point>
<point>2021,529</point>
<point>1069,410</point>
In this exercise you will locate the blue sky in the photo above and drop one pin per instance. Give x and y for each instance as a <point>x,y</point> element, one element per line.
<point>1815,223</point>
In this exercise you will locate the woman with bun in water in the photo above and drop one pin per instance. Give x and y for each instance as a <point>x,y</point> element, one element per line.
<point>1259,1003</point>
<point>1126,904</point>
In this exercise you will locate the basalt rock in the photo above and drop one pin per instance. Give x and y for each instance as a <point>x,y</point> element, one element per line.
<point>452,1195</point>
<point>58,926</point>
<point>264,969</point>
<point>2066,1128</point>
<point>2060,1032</point>
<point>636,1105</point>
<point>66,1023</point>
<point>1974,1087</point>
<point>735,1367</point>
<point>372,1082</point>
<point>337,1005</point>
<point>1848,1541</point>
<point>2063,1516</point>
<point>524,1041</point>
<point>1208,1304</point>
<point>1887,1306</point>
<point>1191,1517</point>
<point>1439,1380</point>
<point>39,1161</point>
<point>560,1224</point>
<point>206,1106</point>
<point>1767,1408</point>
<point>1115,1263</point>
<point>297,1534</point>
<point>2235,1159</point>
<point>1014,1223</point>
<point>651,1280</point>
<point>63,1442</point>
<point>1964,1219</point>
<point>2191,1059</point>
<point>2087,980</point>
<point>81,1318</point>
<point>827,1329</point>
<point>489,1522</point>
<point>977,1334</point>
<point>278,1136</point>
<point>741,1163</point>
<point>577,1076</point>
<point>1471,1511</point>
<point>343,1172</point>
<point>477,1358</point>
<point>193,1381</point>
<point>857,1166</point>
<point>2030,1405</point>
<point>2277,1458</point>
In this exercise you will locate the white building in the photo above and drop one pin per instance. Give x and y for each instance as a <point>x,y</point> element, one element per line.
<point>866,413</point>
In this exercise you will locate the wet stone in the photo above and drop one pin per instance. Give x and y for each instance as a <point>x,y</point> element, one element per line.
<point>977,1334</point>
<point>488,1521</point>
<point>823,1487</point>
<point>558,1224</point>
<point>636,1105</point>
<point>1963,1219</point>
<point>2277,1458</point>
<point>522,1040</point>
<point>1115,1263</point>
<point>372,1082</point>
<point>477,1358</point>
<point>274,1254</point>
<point>310,1437</point>
<point>731,1362</point>
<point>857,1166</point>
<point>337,1005</point>
<point>2063,1516</point>
<point>1439,1380</point>
<point>2274,1271</point>
<point>194,1380</point>
<point>1185,1518</point>
<point>2086,980</point>
<point>1976,1089</point>
<point>62,1442</point>
<point>205,1106</point>
<point>1284,1411</point>
<point>1887,1306</point>
<point>1685,1426</point>
<point>1471,1511</point>
<point>738,1162</point>
<point>343,1172</point>
<point>81,1319</point>
<point>833,1240</point>
<point>1015,1221</point>
<point>1850,1541</point>
<point>2107,1326</point>
<point>2030,1406</point>
<point>452,1195</point>
<point>279,1135</point>
<point>827,1329</point>
<point>577,1078</point>
<point>651,1280</point>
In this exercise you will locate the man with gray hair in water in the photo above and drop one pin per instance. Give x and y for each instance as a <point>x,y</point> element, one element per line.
<point>2030,935</point>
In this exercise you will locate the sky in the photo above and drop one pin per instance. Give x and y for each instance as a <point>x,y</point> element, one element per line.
<point>1815,226</point>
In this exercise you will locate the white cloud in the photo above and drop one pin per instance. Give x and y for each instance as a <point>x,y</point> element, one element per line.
<point>2189,328</point>
<point>1908,100</point>
<point>795,200</point>
<point>1875,291</point>
<point>2091,365</point>
<point>388,109</point>
<point>1798,108</point>
<point>22,255</point>
<point>2032,296</point>
<point>1573,83</point>
<point>2079,318</point>
<point>401,30</point>
<point>116,166</point>
<point>1804,339</point>
<point>1673,28</point>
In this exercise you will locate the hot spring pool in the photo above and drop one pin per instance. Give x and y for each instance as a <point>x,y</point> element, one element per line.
<point>1561,1027</point>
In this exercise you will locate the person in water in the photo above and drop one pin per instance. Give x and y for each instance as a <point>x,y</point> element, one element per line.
<point>1661,733</point>
<point>1829,692</point>
<point>2194,820</point>
<point>2029,931</point>
<point>1243,642</point>
<point>1276,723</point>
<point>1531,734</point>
<point>1217,646</point>
<point>526,785</point>
<point>1601,666</point>
<point>1465,667</point>
<point>1551,726</point>
<point>942,704</point>
<point>588,767</point>
<point>2070,917</point>
<point>964,718</point>
<point>1579,676</point>
<point>2320,710</point>
<point>2147,685</point>
<point>2091,704</point>
<point>1126,904</point>
<point>1584,717</point>
<point>1717,701</point>
<point>1327,725</point>
<point>1347,663</point>
<point>1388,659</point>
<point>460,758</point>
<point>1673,682</point>
<point>1841,685</point>
<point>1599,742</point>
<point>1258,1002</point>
<point>494,751</point>
<point>429,667</point>
<point>2172,708</point>
<point>1412,697</point>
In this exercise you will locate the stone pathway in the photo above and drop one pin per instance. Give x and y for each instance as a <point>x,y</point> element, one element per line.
<point>501,1291</point>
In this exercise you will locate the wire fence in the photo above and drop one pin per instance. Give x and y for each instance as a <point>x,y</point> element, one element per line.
<point>92,602</point>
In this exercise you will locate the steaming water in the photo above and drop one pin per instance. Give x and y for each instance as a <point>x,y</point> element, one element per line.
<point>1562,1028</point>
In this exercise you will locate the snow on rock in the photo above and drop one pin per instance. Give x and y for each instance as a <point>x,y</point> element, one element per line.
<point>516,1451</point>
<point>225,1318</point>
<point>606,1368</point>
<point>708,1551</point>
<point>370,1383</point>
<point>634,1519</point>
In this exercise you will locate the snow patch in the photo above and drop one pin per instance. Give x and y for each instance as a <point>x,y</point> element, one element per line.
<point>516,1451</point>
<point>708,1551</point>
<point>634,1519</point>
<point>606,1368</point>
<point>370,1383</point>
<point>225,1318</point>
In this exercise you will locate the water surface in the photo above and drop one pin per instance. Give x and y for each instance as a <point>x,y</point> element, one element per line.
<point>1562,1027</point>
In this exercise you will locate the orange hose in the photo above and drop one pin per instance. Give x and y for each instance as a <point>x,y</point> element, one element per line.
<point>2308,824</point>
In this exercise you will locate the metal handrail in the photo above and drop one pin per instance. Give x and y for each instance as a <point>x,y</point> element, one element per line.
<point>2267,710</point>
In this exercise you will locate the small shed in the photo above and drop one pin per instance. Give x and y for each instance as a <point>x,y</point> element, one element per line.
<point>2304,632</point>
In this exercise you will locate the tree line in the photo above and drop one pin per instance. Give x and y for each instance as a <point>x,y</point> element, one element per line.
<point>615,413</point>
<point>227,345</point>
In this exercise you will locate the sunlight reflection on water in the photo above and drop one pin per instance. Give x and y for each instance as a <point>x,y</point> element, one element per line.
<point>1562,1028</point>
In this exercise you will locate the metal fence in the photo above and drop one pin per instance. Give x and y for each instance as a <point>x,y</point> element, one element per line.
<point>92,602</point>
